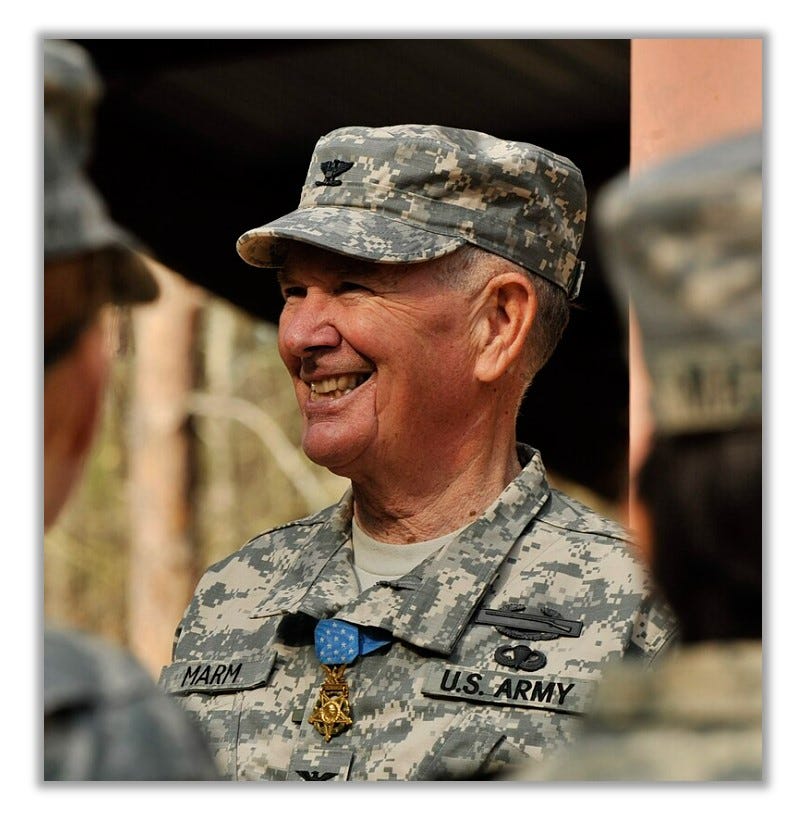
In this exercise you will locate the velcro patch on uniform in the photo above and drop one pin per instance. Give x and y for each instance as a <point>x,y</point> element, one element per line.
<point>320,765</point>
<point>571,695</point>
<point>227,675</point>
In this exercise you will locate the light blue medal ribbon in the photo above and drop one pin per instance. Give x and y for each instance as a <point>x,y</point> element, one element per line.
<point>337,644</point>
<point>340,642</point>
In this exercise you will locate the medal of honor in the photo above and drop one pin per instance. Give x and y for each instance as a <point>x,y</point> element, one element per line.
<point>337,644</point>
<point>332,713</point>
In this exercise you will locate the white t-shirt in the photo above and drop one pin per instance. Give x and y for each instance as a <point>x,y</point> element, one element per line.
<point>375,561</point>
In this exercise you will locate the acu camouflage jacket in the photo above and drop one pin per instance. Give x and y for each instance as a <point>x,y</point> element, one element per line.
<point>498,642</point>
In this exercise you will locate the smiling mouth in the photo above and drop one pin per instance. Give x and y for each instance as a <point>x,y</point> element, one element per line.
<point>333,388</point>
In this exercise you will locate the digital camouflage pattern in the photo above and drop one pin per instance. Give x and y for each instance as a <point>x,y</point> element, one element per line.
<point>450,697</point>
<point>685,239</point>
<point>410,193</point>
<point>697,717</point>
<point>76,218</point>
<point>104,718</point>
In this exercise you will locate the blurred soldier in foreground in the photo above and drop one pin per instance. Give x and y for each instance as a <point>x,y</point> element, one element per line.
<point>104,719</point>
<point>452,613</point>
<point>686,241</point>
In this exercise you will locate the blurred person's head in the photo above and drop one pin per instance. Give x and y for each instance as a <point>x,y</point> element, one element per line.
<point>88,265</point>
<point>684,242</point>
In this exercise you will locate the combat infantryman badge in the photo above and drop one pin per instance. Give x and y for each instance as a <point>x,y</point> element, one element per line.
<point>544,625</point>
<point>332,713</point>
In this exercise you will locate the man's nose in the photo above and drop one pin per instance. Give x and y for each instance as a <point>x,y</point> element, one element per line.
<point>308,325</point>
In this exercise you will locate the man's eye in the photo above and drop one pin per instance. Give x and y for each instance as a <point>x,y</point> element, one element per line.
<point>351,286</point>
<point>293,292</point>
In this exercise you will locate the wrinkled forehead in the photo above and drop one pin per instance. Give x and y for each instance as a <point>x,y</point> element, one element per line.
<point>304,262</point>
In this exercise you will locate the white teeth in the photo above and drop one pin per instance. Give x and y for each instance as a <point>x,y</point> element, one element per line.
<point>336,386</point>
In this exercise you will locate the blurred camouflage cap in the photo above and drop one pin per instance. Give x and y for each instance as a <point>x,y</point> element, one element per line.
<point>683,242</point>
<point>76,220</point>
<point>410,193</point>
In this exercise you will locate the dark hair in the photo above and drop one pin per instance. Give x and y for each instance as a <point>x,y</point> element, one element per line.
<point>704,496</point>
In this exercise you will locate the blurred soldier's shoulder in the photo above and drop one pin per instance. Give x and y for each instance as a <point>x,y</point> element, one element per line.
<point>105,719</point>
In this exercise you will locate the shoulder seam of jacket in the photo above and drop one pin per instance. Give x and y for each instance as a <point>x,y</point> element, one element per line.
<point>606,534</point>
<point>306,521</point>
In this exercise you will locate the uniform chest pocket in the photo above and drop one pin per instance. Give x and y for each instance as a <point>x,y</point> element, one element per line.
<point>504,718</point>
<point>470,749</point>
<point>211,691</point>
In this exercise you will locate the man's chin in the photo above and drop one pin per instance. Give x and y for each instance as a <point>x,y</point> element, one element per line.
<point>337,455</point>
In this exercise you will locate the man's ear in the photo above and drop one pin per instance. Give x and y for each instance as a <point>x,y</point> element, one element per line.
<point>507,315</point>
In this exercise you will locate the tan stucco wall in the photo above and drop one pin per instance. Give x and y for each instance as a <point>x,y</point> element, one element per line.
<point>686,92</point>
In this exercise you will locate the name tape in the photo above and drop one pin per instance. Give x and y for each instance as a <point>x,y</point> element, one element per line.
<point>561,694</point>
<point>228,675</point>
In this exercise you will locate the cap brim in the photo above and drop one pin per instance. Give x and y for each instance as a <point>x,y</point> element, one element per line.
<point>346,230</point>
<point>76,222</point>
<point>133,282</point>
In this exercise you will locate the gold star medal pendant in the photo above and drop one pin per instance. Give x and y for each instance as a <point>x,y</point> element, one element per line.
<point>337,644</point>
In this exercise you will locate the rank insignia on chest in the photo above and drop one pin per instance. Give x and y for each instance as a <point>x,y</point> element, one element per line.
<point>332,713</point>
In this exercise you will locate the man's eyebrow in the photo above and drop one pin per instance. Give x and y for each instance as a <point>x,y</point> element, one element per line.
<point>342,269</point>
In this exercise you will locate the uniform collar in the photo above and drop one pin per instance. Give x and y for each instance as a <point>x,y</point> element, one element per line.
<point>430,606</point>
<point>319,542</point>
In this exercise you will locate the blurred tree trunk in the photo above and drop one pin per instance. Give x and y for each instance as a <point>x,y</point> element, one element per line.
<point>163,566</point>
<point>219,356</point>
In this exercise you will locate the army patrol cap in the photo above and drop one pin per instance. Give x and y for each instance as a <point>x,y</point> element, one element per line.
<point>411,193</point>
<point>76,221</point>
<point>683,241</point>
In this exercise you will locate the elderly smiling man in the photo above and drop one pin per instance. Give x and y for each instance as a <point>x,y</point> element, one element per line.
<point>452,613</point>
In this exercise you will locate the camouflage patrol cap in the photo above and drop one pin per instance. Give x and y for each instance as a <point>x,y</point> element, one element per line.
<point>76,220</point>
<point>410,193</point>
<point>683,241</point>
